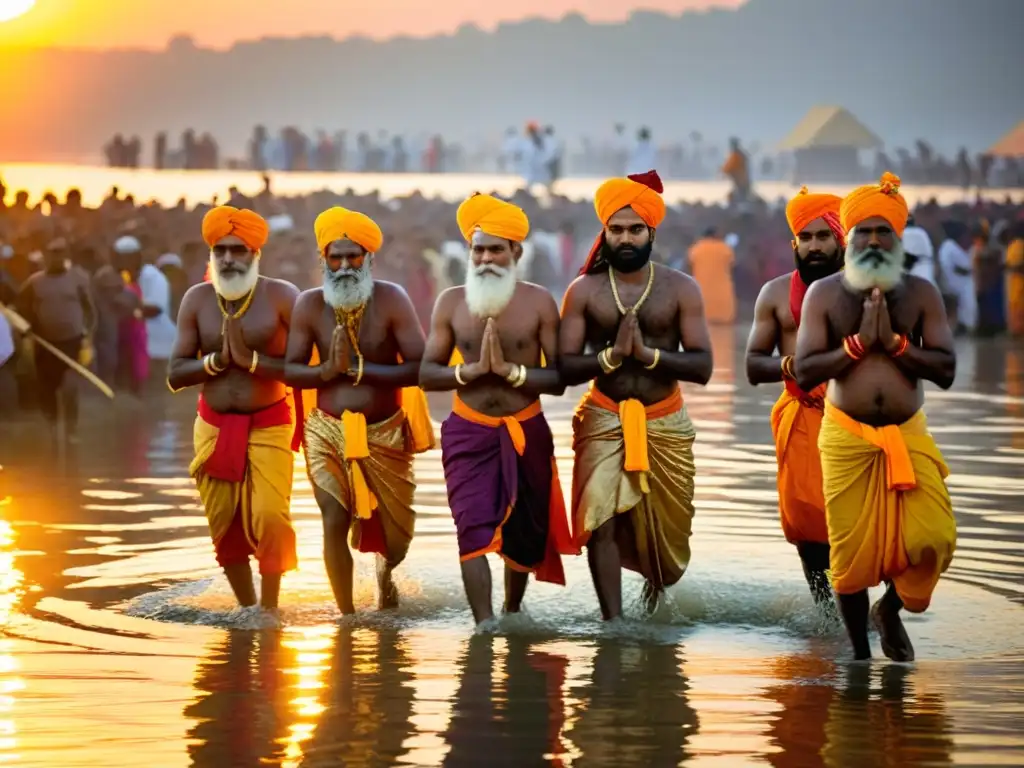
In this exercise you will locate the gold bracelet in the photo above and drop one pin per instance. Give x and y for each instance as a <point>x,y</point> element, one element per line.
<point>255,361</point>
<point>654,362</point>
<point>208,365</point>
<point>458,375</point>
<point>604,362</point>
<point>213,364</point>
<point>513,375</point>
<point>521,378</point>
<point>359,373</point>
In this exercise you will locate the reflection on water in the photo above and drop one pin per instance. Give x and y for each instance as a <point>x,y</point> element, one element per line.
<point>116,648</point>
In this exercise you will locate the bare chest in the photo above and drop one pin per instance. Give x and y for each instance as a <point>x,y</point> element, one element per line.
<point>658,314</point>
<point>847,312</point>
<point>518,332</point>
<point>262,329</point>
<point>372,330</point>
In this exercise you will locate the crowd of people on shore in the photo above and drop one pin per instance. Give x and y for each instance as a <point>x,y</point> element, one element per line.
<point>537,153</point>
<point>972,251</point>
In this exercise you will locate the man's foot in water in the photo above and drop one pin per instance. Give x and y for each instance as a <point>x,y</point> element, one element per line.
<point>650,597</point>
<point>895,641</point>
<point>387,592</point>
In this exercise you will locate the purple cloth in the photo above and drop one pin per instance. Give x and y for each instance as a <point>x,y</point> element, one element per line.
<point>485,475</point>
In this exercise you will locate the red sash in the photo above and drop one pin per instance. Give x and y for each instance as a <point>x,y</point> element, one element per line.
<point>797,291</point>
<point>231,454</point>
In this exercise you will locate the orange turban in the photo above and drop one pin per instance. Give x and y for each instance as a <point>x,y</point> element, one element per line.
<point>805,208</point>
<point>882,199</point>
<point>224,221</point>
<point>339,223</point>
<point>492,217</point>
<point>641,192</point>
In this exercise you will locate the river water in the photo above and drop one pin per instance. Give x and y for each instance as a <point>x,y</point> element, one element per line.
<point>120,647</point>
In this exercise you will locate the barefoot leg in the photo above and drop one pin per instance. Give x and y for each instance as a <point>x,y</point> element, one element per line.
<point>270,590</point>
<point>606,569</point>
<point>515,588</point>
<point>387,592</point>
<point>240,578</point>
<point>476,578</point>
<point>885,615</point>
<point>337,557</point>
<point>855,615</point>
<point>815,561</point>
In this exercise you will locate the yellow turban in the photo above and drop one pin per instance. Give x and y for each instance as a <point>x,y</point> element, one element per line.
<point>806,207</point>
<point>641,192</point>
<point>492,217</point>
<point>224,221</point>
<point>339,223</point>
<point>883,200</point>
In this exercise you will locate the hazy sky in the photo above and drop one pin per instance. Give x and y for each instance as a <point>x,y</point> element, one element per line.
<point>219,23</point>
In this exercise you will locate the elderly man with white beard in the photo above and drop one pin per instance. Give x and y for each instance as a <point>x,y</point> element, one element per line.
<point>370,418</point>
<point>875,333</point>
<point>496,447</point>
<point>231,338</point>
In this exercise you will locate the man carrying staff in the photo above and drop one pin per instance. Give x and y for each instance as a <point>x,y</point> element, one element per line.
<point>874,333</point>
<point>635,331</point>
<point>58,305</point>
<point>496,446</point>
<point>359,440</point>
<point>231,341</point>
<point>796,418</point>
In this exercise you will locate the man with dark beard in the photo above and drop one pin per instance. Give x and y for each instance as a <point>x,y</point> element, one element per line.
<point>497,449</point>
<point>635,331</point>
<point>367,424</point>
<point>232,333</point>
<point>874,333</point>
<point>796,417</point>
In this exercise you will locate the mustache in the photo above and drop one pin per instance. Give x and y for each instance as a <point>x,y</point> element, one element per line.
<point>489,270</point>
<point>874,257</point>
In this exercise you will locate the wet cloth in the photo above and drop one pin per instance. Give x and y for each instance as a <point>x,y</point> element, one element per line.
<point>243,468</point>
<point>889,514</point>
<point>636,462</point>
<point>503,489</point>
<point>796,421</point>
<point>367,469</point>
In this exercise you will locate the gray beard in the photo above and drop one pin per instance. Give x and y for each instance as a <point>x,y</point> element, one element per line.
<point>487,293</point>
<point>864,272</point>
<point>348,289</point>
<point>234,286</point>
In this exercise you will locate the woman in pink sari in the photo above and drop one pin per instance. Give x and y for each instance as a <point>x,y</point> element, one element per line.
<point>132,337</point>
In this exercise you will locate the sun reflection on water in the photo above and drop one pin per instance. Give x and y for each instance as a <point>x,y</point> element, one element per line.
<point>11,590</point>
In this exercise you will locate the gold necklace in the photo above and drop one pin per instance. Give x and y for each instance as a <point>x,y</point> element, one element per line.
<point>352,321</point>
<point>643,297</point>
<point>244,308</point>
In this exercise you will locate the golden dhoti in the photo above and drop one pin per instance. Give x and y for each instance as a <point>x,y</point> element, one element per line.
<point>243,471</point>
<point>889,514</point>
<point>368,471</point>
<point>796,422</point>
<point>637,462</point>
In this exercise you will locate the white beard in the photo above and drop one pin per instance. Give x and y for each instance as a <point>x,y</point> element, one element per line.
<point>489,289</point>
<point>865,275</point>
<point>348,289</point>
<point>233,287</point>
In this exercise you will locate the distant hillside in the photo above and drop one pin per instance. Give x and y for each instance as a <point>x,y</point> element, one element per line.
<point>946,70</point>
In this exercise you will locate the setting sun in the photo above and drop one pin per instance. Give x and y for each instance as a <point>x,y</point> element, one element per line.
<point>12,9</point>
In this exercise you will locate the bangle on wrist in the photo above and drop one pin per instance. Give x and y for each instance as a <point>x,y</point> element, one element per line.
<point>604,360</point>
<point>359,373</point>
<point>458,375</point>
<point>902,342</point>
<point>654,362</point>
<point>787,368</point>
<point>255,361</point>
<point>853,347</point>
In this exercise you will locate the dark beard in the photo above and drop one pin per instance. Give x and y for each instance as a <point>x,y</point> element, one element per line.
<point>812,271</point>
<point>627,259</point>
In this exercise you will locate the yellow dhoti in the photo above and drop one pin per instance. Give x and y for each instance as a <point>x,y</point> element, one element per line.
<point>637,462</point>
<point>368,471</point>
<point>889,514</point>
<point>243,470</point>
